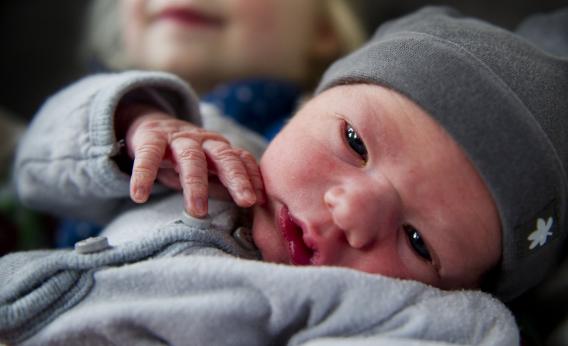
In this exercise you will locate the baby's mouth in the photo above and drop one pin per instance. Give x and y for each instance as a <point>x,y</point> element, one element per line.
<point>300,253</point>
<point>191,17</point>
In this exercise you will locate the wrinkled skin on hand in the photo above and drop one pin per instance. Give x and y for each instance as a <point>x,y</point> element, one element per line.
<point>182,156</point>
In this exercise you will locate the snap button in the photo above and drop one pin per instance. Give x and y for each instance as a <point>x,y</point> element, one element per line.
<point>195,221</point>
<point>243,236</point>
<point>92,245</point>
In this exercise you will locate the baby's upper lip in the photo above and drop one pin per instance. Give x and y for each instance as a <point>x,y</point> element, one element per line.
<point>190,16</point>
<point>312,238</point>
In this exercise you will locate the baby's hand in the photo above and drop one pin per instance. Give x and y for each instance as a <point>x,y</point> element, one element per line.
<point>181,156</point>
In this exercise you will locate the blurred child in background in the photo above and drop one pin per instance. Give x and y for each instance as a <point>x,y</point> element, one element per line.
<point>251,58</point>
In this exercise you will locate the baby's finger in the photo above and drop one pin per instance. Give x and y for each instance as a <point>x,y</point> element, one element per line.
<point>254,175</point>
<point>231,171</point>
<point>193,174</point>
<point>147,158</point>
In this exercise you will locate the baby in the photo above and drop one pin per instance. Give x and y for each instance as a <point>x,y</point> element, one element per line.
<point>434,153</point>
<point>411,186</point>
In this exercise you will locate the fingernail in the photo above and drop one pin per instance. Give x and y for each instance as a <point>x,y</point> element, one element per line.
<point>139,194</point>
<point>247,195</point>
<point>199,205</point>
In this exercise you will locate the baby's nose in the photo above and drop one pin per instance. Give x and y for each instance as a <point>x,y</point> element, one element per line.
<point>361,213</point>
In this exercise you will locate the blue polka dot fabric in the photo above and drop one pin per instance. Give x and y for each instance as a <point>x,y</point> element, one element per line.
<point>262,105</point>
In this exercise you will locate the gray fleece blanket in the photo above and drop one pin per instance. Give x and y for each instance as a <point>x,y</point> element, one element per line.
<point>222,300</point>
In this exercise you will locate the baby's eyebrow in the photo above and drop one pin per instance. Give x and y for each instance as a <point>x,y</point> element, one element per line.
<point>342,116</point>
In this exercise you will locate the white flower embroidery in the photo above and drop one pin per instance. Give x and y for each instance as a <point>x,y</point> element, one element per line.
<point>540,235</point>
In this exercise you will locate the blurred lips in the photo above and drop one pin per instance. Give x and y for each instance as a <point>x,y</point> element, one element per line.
<point>300,253</point>
<point>190,17</point>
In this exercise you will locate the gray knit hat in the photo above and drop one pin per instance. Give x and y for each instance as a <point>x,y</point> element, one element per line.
<point>505,102</point>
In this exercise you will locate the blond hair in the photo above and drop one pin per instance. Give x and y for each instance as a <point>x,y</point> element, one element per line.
<point>103,40</point>
<point>347,24</point>
<point>348,28</point>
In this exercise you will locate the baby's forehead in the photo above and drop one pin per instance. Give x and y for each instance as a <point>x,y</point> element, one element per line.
<point>383,116</point>
<point>374,101</point>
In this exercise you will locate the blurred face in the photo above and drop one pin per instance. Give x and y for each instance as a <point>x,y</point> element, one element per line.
<point>209,41</point>
<point>363,178</point>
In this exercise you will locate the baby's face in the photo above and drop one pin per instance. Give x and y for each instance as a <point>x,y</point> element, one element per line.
<point>363,178</point>
<point>210,41</point>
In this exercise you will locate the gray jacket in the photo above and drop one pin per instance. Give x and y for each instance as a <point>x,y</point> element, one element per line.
<point>158,277</point>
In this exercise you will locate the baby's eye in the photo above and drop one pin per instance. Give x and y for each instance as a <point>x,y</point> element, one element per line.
<point>355,142</point>
<point>417,243</point>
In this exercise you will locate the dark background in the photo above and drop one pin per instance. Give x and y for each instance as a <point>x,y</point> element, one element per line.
<point>40,39</point>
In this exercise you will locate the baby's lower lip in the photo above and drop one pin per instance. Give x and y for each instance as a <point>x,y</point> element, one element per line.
<point>300,253</point>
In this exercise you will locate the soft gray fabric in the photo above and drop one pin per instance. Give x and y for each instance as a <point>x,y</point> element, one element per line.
<point>201,300</point>
<point>65,164</point>
<point>504,101</point>
<point>38,286</point>
<point>159,284</point>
